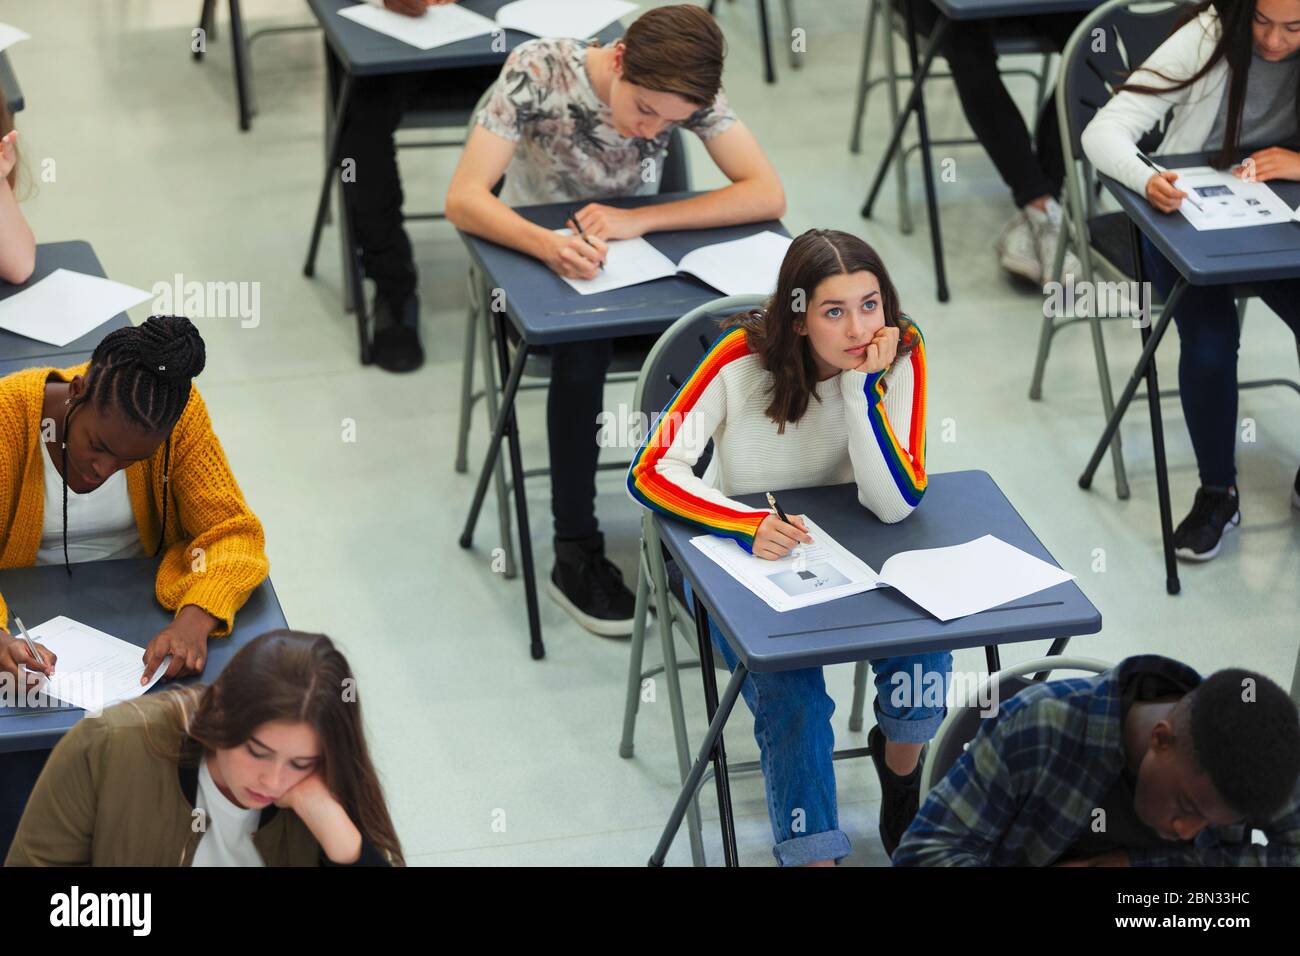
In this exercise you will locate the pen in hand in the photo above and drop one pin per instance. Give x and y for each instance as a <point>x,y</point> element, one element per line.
<point>1147,159</point>
<point>573,217</point>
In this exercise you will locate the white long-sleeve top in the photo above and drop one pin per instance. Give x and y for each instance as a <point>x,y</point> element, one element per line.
<point>1110,139</point>
<point>865,428</point>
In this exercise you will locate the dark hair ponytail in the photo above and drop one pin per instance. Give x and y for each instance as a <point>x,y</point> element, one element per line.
<point>145,372</point>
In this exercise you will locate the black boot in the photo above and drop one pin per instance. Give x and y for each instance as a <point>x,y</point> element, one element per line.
<point>395,346</point>
<point>590,588</point>
<point>899,796</point>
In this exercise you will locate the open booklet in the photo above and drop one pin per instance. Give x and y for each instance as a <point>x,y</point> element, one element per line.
<point>737,267</point>
<point>1219,200</point>
<point>947,582</point>
<point>451,23</point>
<point>93,670</point>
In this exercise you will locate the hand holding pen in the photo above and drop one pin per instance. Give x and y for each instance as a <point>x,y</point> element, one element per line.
<point>1161,191</point>
<point>779,534</point>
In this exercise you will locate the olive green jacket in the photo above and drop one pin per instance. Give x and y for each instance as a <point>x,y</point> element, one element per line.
<point>108,798</point>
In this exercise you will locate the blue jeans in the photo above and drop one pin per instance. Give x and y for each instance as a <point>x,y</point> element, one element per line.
<point>792,724</point>
<point>1207,364</point>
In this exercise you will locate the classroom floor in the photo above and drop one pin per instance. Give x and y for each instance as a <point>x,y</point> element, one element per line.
<point>488,757</point>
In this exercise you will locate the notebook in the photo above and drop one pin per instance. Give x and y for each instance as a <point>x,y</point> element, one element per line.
<point>737,267</point>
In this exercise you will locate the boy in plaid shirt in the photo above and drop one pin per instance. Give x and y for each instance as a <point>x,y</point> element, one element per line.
<point>1143,765</point>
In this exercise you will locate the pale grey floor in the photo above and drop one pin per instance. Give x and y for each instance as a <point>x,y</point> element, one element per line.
<point>467,730</point>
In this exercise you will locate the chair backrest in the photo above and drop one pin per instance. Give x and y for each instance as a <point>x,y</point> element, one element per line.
<point>963,721</point>
<point>1110,43</point>
<point>675,177</point>
<point>678,351</point>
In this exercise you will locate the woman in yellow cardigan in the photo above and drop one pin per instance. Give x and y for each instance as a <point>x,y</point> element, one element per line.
<point>115,459</point>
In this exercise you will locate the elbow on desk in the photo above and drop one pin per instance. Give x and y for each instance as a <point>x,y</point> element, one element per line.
<point>19,266</point>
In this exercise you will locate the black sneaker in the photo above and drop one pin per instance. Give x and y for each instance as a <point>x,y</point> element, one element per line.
<point>1214,513</point>
<point>591,588</point>
<point>395,345</point>
<point>900,797</point>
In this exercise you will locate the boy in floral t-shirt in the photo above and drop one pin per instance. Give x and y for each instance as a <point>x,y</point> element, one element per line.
<point>568,121</point>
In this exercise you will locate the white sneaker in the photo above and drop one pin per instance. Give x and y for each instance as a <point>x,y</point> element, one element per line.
<point>1047,229</point>
<point>1018,251</point>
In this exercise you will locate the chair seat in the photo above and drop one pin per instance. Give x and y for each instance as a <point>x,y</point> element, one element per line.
<point>1012,37</point>
<point>458,117</point>
<point>1112,238</point>
<point>629,355</point>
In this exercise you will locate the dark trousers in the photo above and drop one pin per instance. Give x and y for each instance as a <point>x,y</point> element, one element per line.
<point>1029,171</point>
<point>373,191</point>
<point>1207,364</point>
<point>18,774</point>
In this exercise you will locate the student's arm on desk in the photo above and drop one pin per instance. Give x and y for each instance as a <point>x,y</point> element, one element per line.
<point>58,824</point>
<point>471,207</point>
<point>17,243</point>
<point>884,415</point>
<point>965,818</point>
<point>1231,846</point>
<point>755,194</point>
<point>662,476</point>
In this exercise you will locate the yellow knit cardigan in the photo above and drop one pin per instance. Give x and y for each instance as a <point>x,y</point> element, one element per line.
<point>214,554</point>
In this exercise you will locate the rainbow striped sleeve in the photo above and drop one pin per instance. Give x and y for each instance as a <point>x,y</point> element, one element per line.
<point>897,422</point>
<point>662,476</point>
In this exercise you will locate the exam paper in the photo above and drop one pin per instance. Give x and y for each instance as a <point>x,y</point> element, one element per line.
<point>94,670</point>
<point>811,574</point>
<point>1227,202</point>
<point>438,26</point>
<point>10,35</point>
<point>739,267</point>
<point>562,18</point>
<point>65,305</point>
<point>629,262</point>
<point>969,578</point>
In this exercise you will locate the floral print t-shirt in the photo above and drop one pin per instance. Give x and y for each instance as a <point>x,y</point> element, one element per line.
<point>566,147</point>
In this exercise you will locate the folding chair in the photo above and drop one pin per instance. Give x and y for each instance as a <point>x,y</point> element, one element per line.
<point>963,721</point>
<point>670,363</point>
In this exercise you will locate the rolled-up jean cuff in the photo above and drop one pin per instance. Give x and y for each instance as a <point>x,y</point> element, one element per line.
<point>917,731</point>
<point>812,848</point>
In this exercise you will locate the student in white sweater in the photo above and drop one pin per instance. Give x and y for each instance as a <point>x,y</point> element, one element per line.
<point>1228,79</point>
<point>825,385</point>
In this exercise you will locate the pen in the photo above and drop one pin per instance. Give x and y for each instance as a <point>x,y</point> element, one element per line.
<point>31,646</point>
<point>771,500</point>
<point>1146,159</point>
<point>573,215</point>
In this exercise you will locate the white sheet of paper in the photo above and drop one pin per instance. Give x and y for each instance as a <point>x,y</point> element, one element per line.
<point>94,670</point>
<point>1228,202</point>
<point>562,18</point>
<point>65,305</point>
<point>629,262</point>
<point>438,26</point>
<point>811,574</point>
<point>968,578</point>
<point>9,35</point>
<point>741,266</point>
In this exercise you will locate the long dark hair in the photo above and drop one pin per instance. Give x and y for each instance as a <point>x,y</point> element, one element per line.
<point>290,676</point>
<point>772,331</point>
<point>145,372</point>
<point>1235,44</point>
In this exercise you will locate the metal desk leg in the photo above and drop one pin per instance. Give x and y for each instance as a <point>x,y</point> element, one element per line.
<point>494,443</point>
<point>916,103</point>
<point>205,24</point>
<point>726,819</point>
<point>239,52</point>
<point>331,166</point>
<point>992,658</point>
<point>707,746</point>
<point>765,38</point>
<point>521,492</point>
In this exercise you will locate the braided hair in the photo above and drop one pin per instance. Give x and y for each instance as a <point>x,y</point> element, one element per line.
<point>144,372</point>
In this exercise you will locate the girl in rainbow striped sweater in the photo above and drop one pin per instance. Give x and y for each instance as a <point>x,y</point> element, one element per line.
<point>825,385</point>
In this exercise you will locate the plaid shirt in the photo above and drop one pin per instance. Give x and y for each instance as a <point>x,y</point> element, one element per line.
<point>1024,790</point>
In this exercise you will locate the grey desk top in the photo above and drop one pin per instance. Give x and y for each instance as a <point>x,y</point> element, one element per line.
<point>13,93</point>
<point>1253,254</point>
<point>546,311</point>
<point>116,597</point>
<point>366,52</point>
<point>79,257</point>
<point>991,9</point>
<point>957,507</point>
